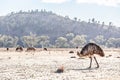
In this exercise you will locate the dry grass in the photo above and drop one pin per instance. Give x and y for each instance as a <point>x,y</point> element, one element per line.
<point>41,65</point>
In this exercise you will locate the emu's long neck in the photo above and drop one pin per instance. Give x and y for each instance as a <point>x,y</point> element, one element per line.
<point>83,55</point>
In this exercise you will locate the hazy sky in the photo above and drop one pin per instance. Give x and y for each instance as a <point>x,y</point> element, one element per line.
<point>101,10</point>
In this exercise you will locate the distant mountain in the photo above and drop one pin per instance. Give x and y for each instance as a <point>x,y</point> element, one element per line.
<point>48,23</point>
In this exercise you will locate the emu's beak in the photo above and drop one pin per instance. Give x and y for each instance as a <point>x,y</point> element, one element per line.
<point>80,56</point>
<point>78,53</point>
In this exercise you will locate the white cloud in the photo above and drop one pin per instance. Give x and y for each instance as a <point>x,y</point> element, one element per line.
<point>54,1</point>
<point>101,2</point>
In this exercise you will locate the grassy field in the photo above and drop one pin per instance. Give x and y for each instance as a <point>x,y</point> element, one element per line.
<point>41,65</point>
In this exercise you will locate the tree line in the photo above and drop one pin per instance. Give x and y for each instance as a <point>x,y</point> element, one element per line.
<point>70,40</point>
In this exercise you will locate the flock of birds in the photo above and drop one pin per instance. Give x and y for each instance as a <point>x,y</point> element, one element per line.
<point>87,51</point>
<point>19,49</point>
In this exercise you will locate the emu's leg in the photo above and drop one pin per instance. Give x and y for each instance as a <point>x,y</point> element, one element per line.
<point>90,62</point>
<point>96,62</point>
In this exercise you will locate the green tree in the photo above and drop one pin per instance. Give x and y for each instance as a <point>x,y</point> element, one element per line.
<point>75,18</point>
<point>113,42</point>
<point>43,41</point>
<point>91,41</point>
<point>29,41</point>
<point>70,36</point>
<point>100,39</point>
<point>79,40</point>
<point>8,41</point>
<point>61,42</point>
<point>93,20</point>
<point>1,41</point>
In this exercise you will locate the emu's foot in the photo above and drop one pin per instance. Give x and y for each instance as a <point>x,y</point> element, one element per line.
<point>97,67</point>
<point>89,67</point>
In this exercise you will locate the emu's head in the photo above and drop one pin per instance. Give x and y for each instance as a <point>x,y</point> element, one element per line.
<point>78,53</point>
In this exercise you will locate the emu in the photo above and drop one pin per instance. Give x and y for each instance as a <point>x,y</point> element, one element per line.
<point>77,47</point>
<point>45,49</point>
<point>89,50</point>
<point>30,49</point>
<point>7,49</point>
<point>19,49</point>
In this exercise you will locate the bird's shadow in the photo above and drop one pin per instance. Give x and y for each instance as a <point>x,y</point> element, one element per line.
<point>84,69</point>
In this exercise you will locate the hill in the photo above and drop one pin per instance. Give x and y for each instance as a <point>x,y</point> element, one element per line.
<point>50,24</point>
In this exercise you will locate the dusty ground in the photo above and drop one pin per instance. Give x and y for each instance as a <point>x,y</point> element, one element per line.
<point>43,64</point>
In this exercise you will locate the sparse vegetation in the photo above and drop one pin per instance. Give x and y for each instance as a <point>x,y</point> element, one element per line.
<point>42,65</point>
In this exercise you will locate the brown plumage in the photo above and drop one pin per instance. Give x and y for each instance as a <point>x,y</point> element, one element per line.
<point>7,49</point>
<point>89,50</point>
<point>45,49</point>
<point>77,47</point>
<point>19,48</point>
<point>30,49</point>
